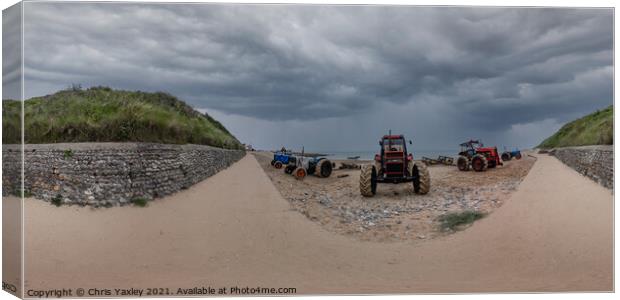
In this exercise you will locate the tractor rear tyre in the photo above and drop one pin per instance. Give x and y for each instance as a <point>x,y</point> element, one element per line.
<point>368,181</point>
<point>323,168</point>
<point>421,178</point>
<point>479,163</point>
<point>463,163</point>
<point>300,173</point>
<point>378,168</point>
<point>518,156</point>
<point>278,165</point>
<point>506,156</point>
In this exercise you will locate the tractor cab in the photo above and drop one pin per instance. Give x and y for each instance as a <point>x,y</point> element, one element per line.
<point>394,157</point>
<point>468,148</point>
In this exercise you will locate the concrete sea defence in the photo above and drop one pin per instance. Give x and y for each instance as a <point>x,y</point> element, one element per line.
<point>107,174</point>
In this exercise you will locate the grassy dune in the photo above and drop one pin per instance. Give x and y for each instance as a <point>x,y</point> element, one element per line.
<point>594,129</point>
<point>100,114</point>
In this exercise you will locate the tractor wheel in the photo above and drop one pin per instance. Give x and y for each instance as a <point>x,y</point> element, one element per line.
<point>300,173</point>
<point>378,168</point>
<point>463,163</point>
<point>506,156</point>
<point>479,163</point>
<point>410,165</point>
<point>273,161</point>
<point>368,181</point>
<point>421,179</point>
<point>518,156</point>
<point>323,168</point>
<point>278,165</point>
<point>289,169</point>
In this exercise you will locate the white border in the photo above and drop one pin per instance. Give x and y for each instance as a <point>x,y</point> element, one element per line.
<point>568,3</point>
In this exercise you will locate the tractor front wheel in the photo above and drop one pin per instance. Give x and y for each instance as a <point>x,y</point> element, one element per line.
<point>300,173</point>
<point>421,179</point>
<point>323,168</point>
<point>463,163</point>
<point>518,156</point>
<point>273,161</point>
<point>278,165</point>
<point>479,163</point>
<point>368,181</point>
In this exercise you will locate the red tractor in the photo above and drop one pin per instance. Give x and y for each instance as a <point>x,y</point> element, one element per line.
<point>473,154</point>
<point>394,165</point>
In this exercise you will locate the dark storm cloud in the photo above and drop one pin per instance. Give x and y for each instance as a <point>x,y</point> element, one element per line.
<point>484,67</point>
<point>11,52</point>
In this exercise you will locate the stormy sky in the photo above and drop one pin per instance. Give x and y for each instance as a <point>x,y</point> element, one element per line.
<point>337,77</point>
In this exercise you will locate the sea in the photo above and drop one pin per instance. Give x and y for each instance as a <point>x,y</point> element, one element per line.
<point>369,155</point>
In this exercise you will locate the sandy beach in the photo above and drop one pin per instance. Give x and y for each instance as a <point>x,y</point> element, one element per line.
<point>395,213</point>
<point>554,233</point>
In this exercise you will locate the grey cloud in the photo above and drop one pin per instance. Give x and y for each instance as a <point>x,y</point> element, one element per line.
<point>485,68</point>
<point>11,52</point>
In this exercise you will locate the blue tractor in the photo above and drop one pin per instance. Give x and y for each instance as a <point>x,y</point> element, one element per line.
<point>508,155</point>
<point>281,158</point>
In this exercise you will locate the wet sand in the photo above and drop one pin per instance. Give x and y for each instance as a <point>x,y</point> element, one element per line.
<point>235,229</point>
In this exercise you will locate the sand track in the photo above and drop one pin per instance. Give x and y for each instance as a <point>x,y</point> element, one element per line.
<point>234,229</point>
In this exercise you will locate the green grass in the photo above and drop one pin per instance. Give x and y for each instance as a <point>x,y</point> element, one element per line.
<point>101,114</point>
<point>18,193</point>
<point>57,200</point>
<point>68,153</point>
<point>594,129</point>
<point>453,220</point>
<point>142,202</point>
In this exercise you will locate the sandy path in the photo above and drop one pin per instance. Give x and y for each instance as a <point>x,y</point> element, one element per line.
<point>234,229</point>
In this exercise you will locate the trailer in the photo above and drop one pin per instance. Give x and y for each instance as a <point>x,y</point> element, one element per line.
<point>444,160</point>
